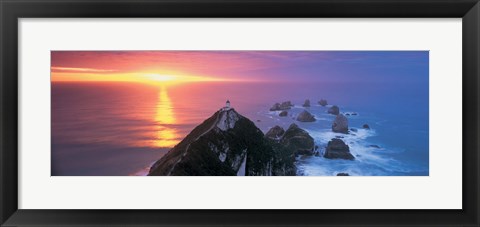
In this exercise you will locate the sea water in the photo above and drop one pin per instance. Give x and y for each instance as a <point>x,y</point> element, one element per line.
<point>106,129</point>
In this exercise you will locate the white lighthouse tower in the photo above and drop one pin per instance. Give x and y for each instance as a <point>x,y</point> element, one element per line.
<point>227,105</point>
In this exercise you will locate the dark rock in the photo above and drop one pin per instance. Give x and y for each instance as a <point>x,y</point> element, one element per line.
<point>374,146</point>
<point>298,140</point>
<point>258,120</point>
<point>283,113</point>
<point>322,102</point>
<point>337,149</point>
<point>305,116</point>
<point>287,103</point>
<point>354,114</point>
<point>340,124</point>
<point>347,114</point>
<point>306,103</point>
<point>317,154</point>
<point>283,106</point>
<point>353,130</point>
<point>275,133</point>
<point>343,174</point>
<point>334,110</point>
<point>365,126</point>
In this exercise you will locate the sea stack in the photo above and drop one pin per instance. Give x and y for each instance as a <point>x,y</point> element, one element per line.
<point>305,116</point>
<point>306,103</point>
<point>284,113</point>
<point>337,149</point>
<point>334,110</point>
<point>298,140</point>
<point>323,102</point>
<point>340,124</point>
<point>283,106</point>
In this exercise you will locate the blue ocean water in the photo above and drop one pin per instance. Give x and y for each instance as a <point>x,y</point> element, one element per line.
<point>398,116</point>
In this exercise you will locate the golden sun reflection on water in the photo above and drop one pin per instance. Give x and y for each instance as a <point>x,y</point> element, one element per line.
<point>165,135</point>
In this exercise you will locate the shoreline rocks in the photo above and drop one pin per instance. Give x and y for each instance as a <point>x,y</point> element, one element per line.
<point>275,133</point>
<point>284,113</point>
<point>366,126</point>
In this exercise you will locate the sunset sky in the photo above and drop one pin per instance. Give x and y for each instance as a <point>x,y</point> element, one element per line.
<point>190,66</point>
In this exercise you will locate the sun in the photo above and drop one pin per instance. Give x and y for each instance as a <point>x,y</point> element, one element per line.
<point>160,77</point>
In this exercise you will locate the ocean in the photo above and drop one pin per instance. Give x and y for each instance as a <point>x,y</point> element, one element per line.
<point>121,128</point>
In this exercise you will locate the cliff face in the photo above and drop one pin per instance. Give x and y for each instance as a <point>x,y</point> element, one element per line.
<point>225,144</point>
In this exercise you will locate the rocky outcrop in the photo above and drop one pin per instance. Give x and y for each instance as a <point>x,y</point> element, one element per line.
<point>343,174</point>
<point>281,106</point>
<point>365,126</point>
<point>306,103</point>
<point>323,102</point>
<point>225,144</point>
<point>283,113</point>
<point>305,116</point>
<point>337,149</point>
<point>288,144</point>
<point>275,133</point>
<point>298,140</point>
<point>340,124</point>
<point>334,110</point>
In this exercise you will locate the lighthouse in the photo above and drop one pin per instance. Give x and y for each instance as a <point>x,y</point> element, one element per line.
<point>227,105</point>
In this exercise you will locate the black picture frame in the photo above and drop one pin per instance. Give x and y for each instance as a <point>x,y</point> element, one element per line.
<point>12,10</point>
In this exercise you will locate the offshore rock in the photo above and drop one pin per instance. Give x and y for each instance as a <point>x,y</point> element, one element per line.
<point>337,149</point>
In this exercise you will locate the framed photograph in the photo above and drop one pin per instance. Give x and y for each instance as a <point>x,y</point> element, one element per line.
<point>234,113</point>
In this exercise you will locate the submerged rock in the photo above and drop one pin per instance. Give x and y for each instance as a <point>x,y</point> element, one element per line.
<point>283,113</point>
<point>334,110</point>
<point>306,103</point>
<point>340,124</point>
<point>365,126</point>
<point>322,102</point>
<point>343,174</point>
<point>353,130</point>
<point>337,149</point>
<point>305,116</point>
<point>374,146</point>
